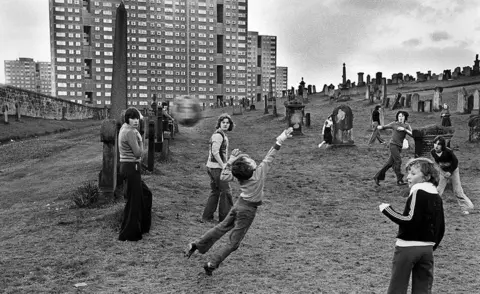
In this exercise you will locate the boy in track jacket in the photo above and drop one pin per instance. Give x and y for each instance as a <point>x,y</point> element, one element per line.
<point>421,229</point>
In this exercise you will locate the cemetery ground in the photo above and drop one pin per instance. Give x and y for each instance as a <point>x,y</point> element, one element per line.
<point>318,231</point>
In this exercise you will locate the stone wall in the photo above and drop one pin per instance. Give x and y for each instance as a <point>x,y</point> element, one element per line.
<point>34,104</point>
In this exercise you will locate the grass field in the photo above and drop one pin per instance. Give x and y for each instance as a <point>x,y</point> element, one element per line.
<point>318,231</point>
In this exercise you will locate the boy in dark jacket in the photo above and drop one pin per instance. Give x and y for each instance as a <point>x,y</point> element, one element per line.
<point>421,229</point>
<point>449,171</point>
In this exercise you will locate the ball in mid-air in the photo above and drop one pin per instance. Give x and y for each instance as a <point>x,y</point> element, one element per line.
<point>186,110</point>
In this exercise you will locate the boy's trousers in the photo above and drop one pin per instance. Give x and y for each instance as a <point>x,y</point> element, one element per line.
<point>462,199</point>
<point>238,221</point>
<point>417,260</point>
<point>220,196</point>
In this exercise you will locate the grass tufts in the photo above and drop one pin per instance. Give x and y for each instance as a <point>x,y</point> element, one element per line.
<point>86,195</point>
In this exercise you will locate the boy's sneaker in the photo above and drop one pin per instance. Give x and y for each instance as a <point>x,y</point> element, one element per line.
<point>190,249</point>
<point>209,268</point>
<point>465,212</point>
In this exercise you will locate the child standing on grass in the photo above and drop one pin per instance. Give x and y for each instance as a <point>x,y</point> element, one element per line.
<point>400,129</point>
<point>421,228</point>
<point>252,180</point>
<point>327,132</point>
<point>449,171</point>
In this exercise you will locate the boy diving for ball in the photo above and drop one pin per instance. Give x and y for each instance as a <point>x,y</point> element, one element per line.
<point>252,180</point>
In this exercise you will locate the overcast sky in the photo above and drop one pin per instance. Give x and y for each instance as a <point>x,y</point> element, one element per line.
<point>315,37</point>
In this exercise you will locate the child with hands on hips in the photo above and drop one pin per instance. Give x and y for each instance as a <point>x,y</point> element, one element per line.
<point>252,181</point>
<point>421,228</point>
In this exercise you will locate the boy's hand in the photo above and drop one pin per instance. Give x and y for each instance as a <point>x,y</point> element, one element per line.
<point>234,155</point>
<point>284,136</point>
<point>382,206</point>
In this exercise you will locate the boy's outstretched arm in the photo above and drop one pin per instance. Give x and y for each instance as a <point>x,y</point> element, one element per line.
<point>284,136</point>
<point>271,153</point>
<point>226,174</point>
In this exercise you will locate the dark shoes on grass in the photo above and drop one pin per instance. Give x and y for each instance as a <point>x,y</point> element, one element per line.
<point>209,268</point>
<point>191,248</point>
<point>377,181</point>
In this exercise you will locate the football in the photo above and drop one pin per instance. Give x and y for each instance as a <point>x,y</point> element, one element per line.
<point>186,110</point>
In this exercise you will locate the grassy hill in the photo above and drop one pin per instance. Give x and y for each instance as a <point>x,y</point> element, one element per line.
<point>318,231</point>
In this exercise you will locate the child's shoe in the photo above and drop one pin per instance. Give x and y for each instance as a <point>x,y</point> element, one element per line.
<point>190,249</point>
<point>209,268</point>
<point>465,212</point>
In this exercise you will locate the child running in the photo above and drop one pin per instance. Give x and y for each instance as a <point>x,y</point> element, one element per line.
<point>421,228</point>
<point>252,180</point>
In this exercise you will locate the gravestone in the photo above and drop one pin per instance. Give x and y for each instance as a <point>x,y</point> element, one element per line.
<point>360,79</point>
<point>461,101</point>
<point>402,101</point>
<point>342,126</point>
<point>427,106</point>
<point>17,111</point>
<point>396,102</point>
<point>368,79</point>
<point>474,131</point>
<point>237,109</point>
<point>476,101</point>
<point>5,114</point>
<point>378,78</point>
<point>367,93</point>
<point>424,137</point>
<point>476,66</point>
<point>415,102</point>
<point>408,101</point>
<point>437,98</point>
<point>64,112</point>
<point>314,89</point>
<point>384,88</point>
<point>119,74</point>
<point>151,145</point>
<point>107,181</point>
<point>295,113</point>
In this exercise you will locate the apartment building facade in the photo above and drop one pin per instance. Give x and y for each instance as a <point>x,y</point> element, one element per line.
<point>268,61</point>
<point>175,47</point>
<point>28,74</point>
<point>281,80</point>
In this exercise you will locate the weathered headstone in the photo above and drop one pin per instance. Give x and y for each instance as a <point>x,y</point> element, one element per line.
<point>384,88</point>
<point>437,98</point>
<point>378,78</point>
<point>5,114</point>
<point>461,103</point>
<point>474,131</point>
<point>295,113</point>
<point>396,101</point>
<point>415,102</point>
<point>17,111</point>
<point>476,101</point>
<point>408,101</point>
<point>108,175</point>
<point>427,106</point>
<point>360,79</point>
<point>342,125</point>
<point>119,75</point>
<point>367,93</point>
<point>237,110</point>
